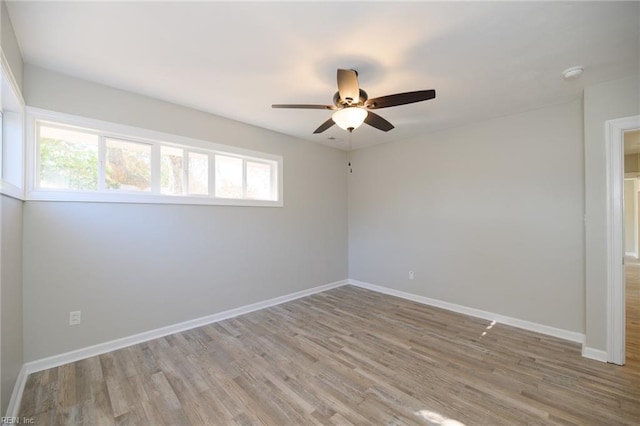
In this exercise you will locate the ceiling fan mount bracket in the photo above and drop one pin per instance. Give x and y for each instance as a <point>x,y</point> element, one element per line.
<point>342,103</point>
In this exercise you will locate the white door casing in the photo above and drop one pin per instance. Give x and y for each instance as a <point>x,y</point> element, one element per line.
<point>614,140</point>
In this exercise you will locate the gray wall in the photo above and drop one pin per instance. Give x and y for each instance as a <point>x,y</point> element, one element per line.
<point>489,216</point>
<point>10,294</point>
<point>602,102</point>
<point>10,45</point>
<point>11,337</point>
<point>131,267</point>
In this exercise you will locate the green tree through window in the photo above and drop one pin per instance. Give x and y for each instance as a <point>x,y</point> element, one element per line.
<point>68,164</point>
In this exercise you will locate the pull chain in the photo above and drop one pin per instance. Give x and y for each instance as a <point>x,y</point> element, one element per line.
<point>349,155</point>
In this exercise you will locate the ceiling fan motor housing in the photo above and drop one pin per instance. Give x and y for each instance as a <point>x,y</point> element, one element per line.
<point>346,102</point>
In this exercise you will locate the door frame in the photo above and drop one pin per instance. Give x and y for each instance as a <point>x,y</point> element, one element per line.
<point>614,142</point>
<point>634,181</point>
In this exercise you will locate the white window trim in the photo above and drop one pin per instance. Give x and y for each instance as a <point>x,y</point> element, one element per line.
<point>11,101</point>
<point>11,190</point>
<point>135,134</point>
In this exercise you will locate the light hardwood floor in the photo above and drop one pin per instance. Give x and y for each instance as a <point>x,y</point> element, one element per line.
<point>345,356</point>
<point>632,314</point>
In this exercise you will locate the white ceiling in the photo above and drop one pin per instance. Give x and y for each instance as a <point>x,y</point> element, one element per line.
<point>485,60</point>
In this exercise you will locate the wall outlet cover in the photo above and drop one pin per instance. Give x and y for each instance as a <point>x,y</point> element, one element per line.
<point>74,317</point>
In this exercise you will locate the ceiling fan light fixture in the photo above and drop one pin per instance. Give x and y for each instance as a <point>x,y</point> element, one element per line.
<point>350,118</point>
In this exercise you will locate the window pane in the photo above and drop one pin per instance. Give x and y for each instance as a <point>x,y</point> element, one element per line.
<point>259,181</point>
<point>171,170</point>
<point>228,177</point>
<point>12,148</point>
<point>198,173</point>
<point>68,159</point>
<point>128,166</point>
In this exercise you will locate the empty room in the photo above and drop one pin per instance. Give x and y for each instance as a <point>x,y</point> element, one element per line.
<point>331,213</point>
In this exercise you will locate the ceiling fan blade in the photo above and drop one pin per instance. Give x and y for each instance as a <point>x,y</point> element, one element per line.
<point>324,126</point>
<point>348,85</point>
<point>400,99</point>
<point>378,122</point>
<point>303,106</point>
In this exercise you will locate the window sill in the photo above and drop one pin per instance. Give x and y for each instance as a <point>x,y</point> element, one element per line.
<point>90,197</point>
<point>11,191</point>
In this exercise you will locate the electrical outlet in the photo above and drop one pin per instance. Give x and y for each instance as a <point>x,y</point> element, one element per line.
<point>74,317</point>
<point>411,275</point>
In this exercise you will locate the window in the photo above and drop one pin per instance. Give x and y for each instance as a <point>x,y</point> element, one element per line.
<point>128,165</point>
<point>11,136</point>
<point>228,177</point>
<point>198,176</point>
<point>258,180</point>
<point>241,178</point>
<point>12,123</point>
<point>174,174</point>
<point>171,170</point>
<point>12,152</point>
<point>67,159</point>
<point>76,159</point>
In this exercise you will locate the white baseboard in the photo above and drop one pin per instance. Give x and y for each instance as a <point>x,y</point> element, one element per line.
<point>631,254</point>
<point>101,348</point>
<point>515,322</point>
<point>16,395</point>
<point>595,354</point>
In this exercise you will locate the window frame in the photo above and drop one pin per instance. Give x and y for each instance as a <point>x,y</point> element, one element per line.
<point>157,140</point>
<point>102,165</point>
<point>12,141</point>
<point>36,160</point>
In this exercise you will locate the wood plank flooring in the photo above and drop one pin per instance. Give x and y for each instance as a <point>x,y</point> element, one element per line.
<point>632,314</point>
<point>345,356</point>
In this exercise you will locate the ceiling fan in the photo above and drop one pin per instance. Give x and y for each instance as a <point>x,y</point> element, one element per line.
<point>352,105</point>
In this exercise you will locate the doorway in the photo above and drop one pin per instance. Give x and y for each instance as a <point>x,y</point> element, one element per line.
<point>631,141</point>
<point>616,286</point>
